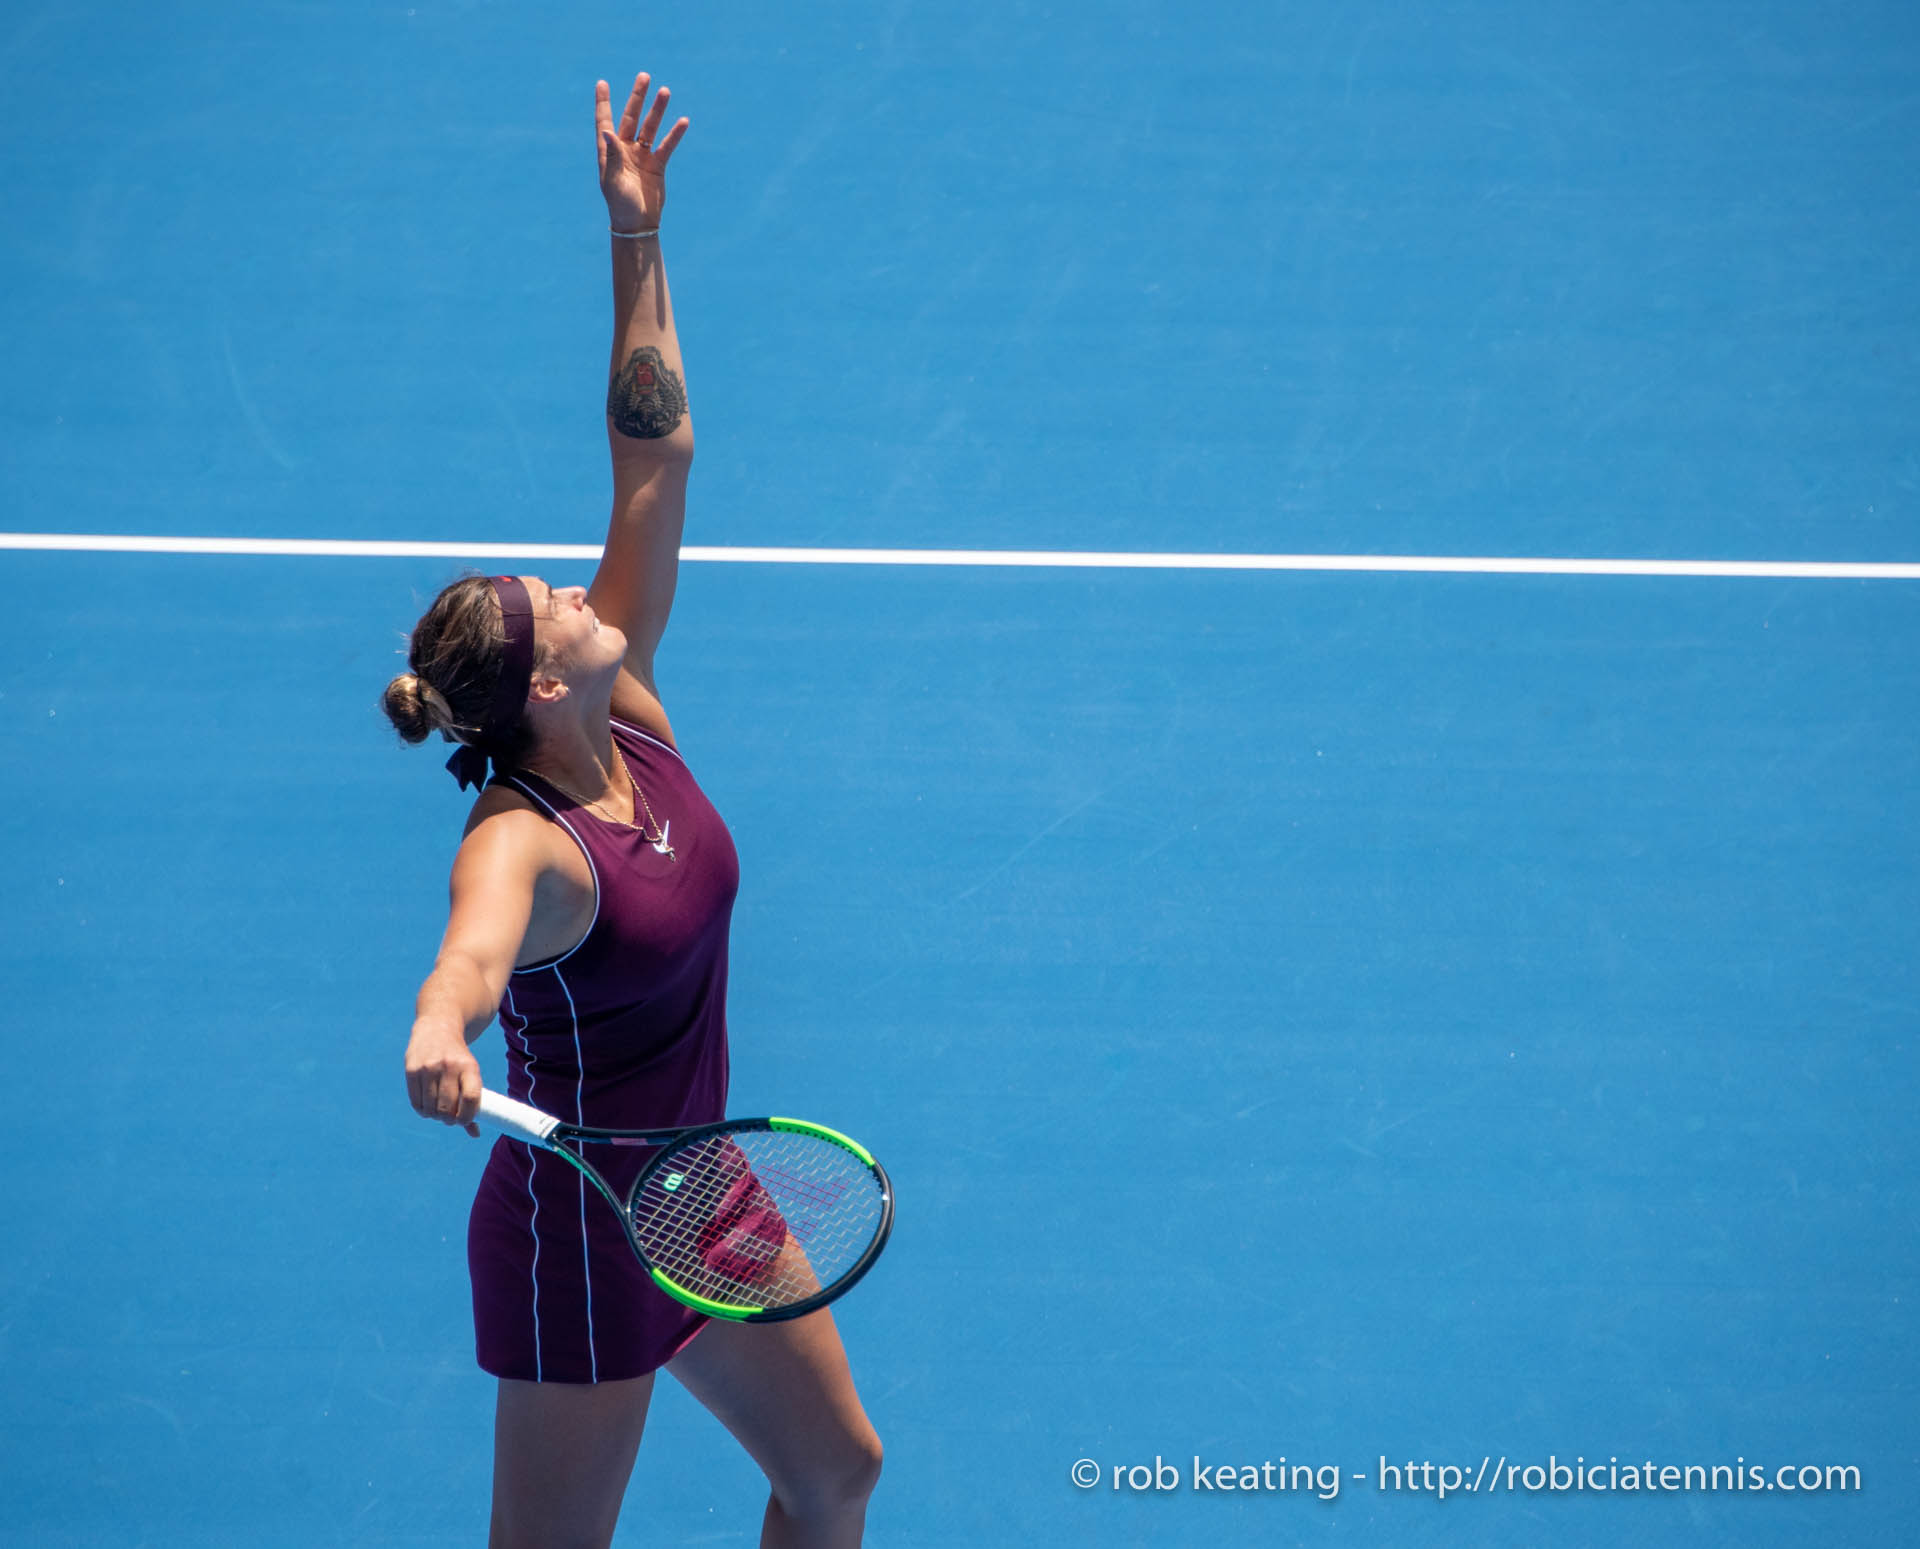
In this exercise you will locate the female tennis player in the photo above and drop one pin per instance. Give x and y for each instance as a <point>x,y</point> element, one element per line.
<point>590,904</point>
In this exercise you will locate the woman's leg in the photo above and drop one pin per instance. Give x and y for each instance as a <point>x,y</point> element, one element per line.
<point>784,1391</point>
<point>562,1455</point>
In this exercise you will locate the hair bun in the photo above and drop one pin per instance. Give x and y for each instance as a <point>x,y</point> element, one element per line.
<point>410,703</point>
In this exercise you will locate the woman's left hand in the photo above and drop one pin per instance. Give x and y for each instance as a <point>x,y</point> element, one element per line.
<point>633,172</point>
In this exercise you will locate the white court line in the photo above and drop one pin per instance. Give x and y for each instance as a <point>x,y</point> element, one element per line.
<point>1071,559</point>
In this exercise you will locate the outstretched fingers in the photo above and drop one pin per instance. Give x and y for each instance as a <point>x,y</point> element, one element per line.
<point>639,123</point>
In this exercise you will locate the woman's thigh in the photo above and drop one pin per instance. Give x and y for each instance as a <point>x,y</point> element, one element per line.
<point>562,1455</point>
<point>786,1394</point>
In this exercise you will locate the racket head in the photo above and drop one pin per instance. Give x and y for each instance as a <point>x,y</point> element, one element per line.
<point>759,1220</point>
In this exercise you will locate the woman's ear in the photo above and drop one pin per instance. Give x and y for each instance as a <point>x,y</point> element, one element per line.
<point>547,691</point>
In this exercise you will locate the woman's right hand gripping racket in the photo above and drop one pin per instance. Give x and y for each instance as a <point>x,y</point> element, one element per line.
<point>754,1220</point>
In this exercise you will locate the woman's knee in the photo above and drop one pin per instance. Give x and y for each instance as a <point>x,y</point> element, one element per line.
<point>865,1458</point>
<point>835,1483</point>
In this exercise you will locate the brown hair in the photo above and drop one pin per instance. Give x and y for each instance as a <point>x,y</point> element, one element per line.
<point>456,652</point>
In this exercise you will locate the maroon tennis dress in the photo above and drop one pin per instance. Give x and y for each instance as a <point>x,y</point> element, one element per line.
<point>626,1031</point>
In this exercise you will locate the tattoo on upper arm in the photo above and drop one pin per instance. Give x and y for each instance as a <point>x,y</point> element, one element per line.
<point>645,399</point>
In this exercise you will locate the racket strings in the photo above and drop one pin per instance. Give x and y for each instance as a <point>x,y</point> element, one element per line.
<point>764,1218</point>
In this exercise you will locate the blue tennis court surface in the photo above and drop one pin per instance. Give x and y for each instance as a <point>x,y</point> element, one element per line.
<point>1331,1018</point>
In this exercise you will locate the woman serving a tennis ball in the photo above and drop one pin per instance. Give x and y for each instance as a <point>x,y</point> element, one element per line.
<point>591,897</point>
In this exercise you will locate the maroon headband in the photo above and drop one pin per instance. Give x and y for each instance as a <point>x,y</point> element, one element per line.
<point>469,764</point>
<point>516,662</point>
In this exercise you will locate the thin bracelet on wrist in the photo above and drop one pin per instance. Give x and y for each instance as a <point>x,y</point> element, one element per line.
<point>635,236</point>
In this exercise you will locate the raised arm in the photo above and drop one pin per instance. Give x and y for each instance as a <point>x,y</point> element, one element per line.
<point>649,428</point>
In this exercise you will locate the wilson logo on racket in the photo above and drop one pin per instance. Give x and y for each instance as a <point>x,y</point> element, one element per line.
<point>753,1220</point>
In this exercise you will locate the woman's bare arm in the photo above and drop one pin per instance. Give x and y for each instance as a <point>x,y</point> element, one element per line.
<point>649,426</point>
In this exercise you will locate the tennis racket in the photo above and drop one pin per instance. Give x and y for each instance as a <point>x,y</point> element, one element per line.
<point>753,1220</point>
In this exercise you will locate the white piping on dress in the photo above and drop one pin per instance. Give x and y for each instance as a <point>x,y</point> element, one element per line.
<point>533,1154</point>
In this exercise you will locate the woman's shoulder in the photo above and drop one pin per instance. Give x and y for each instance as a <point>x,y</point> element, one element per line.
<point>509,828</point>
<point>637,706</point>
<point>500,800</point>
<point>506,817</point>
<point>514,863</point>
<point>635,737</point>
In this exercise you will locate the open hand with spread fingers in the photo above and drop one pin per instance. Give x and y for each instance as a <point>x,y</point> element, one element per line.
<point>633,171</point>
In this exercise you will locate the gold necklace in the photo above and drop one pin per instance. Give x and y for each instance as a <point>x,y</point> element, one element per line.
<point>657,839</point>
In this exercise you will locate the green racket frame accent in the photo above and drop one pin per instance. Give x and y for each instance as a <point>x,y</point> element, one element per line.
<point>802,1127</point>
<point>705,1304</point>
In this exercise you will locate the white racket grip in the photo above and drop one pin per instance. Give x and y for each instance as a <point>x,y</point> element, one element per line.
<point>520,1120</point>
